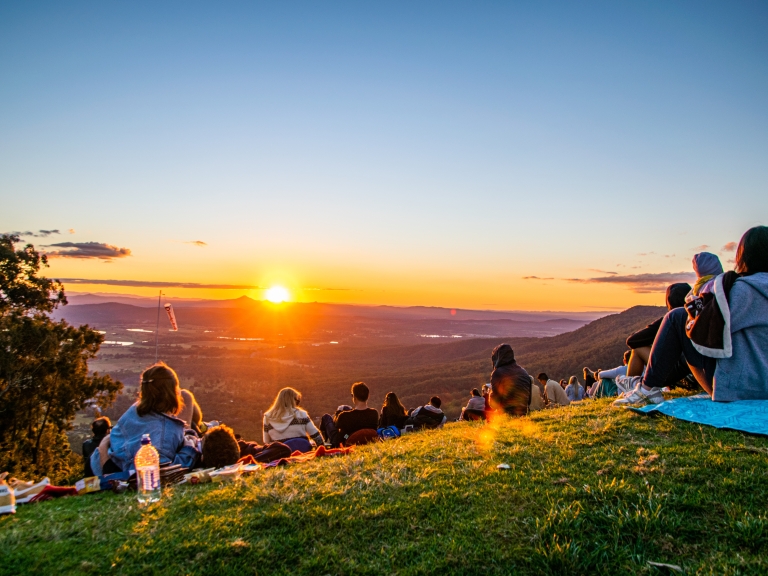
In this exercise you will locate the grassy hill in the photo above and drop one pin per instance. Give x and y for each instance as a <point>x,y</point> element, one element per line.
<point>591,490</point>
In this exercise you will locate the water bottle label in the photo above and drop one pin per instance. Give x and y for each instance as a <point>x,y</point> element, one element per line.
<point>150,479</point>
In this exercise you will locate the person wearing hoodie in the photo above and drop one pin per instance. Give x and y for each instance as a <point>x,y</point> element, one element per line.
<point>285,420</point>
<point>428,416</point>
<point>510,383</point>
<point>740,375</point>
<point>707,266</point>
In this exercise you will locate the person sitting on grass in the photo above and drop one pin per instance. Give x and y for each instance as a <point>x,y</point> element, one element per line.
<point>428,416</point>
<point>510,383</point>
<point>100,427</point>
<point>191,412</point>
<point>285,421</point>
<point>348,422</point>
<point>640,342</point>
<point>594,379</point>
<point>563,383</point>
<point>475,408</point>
<point>155,414</point>
<point>393,413</point>
<point>537,399</point>
<point>574,390</point>
<point>740,373</point>
<point>554,395</point>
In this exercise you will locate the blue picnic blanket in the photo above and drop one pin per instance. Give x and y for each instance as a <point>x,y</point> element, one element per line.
<point>743,415</point>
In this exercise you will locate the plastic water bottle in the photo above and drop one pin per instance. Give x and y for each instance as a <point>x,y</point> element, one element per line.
<point>147,463</point>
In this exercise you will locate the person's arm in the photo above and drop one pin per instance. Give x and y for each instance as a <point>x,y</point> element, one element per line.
<point>187,455</point>
<point>314,433</point>
<point>265,432</point>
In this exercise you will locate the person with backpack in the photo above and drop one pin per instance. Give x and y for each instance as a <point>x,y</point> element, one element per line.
<point>731,361</point>
<point>428,416</point>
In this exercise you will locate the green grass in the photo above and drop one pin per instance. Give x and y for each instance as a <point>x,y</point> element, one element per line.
<point>591,490</point>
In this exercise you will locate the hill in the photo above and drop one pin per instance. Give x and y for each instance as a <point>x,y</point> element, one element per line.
<point>590,490</point>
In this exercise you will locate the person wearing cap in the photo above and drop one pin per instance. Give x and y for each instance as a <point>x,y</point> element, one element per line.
<point>510,383</point>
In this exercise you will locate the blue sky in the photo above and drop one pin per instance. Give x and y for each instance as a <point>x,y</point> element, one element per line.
<point>428,154</point>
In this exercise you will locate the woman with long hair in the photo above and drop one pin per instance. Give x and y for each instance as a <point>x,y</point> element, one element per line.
<point>574,390</point>
<point>285,421</point>
<point>393,413</point>
<point>154,413</point>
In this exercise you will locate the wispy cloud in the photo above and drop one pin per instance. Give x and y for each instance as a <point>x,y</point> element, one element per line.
<point>197,243</point>
<point>536,278</point>
<point>149,284</point>
<point>730,247</point>
<point>641,283</point>
<point>97,250</point>
<point>701,248</point>
<point>38,234</point>
<point>602,271</point>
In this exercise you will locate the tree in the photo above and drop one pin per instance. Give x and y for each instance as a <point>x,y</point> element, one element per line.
<point>44,378</point>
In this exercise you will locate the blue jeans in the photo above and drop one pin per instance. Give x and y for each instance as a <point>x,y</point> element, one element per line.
<point>670,344</point>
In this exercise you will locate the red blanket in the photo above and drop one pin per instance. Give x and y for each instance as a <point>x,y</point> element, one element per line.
<point>297,456</point>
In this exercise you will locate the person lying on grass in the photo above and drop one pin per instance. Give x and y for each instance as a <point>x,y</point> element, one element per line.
<point>220,447</point>
<point>735,372</point>
<point>155,414</point>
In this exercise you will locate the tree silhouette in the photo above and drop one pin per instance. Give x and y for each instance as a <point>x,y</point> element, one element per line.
<point>44,377</point>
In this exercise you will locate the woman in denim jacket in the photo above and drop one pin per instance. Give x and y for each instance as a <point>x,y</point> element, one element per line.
<point>154,414</point>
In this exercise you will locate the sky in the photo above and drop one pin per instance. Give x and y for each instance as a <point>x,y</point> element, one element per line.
<point>493,155</point>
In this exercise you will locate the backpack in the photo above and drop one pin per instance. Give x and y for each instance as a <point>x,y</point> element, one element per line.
<point>389,432</point>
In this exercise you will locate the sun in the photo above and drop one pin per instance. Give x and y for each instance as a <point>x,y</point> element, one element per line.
<point>277,294</point>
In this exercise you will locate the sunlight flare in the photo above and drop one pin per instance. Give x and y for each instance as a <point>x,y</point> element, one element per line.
<point>277,294</point>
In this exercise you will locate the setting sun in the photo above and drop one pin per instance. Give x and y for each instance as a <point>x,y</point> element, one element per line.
<point>277,294</point>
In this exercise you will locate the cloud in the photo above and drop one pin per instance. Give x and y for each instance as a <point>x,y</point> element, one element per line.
<point>147,284</point>
<point>535,278</point>
<point>38,234</point>
<point>199,243</point>
<point>602,271</point>
<point>641,283</point>
<point>701,248</point>
<point>97,250</point>
<point>730,247</point>
<point>330,290</point>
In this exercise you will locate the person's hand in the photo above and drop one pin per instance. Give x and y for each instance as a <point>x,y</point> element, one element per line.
<point>190,441</point>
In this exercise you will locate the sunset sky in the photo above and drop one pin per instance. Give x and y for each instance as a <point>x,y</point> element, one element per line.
<point>496,155</point>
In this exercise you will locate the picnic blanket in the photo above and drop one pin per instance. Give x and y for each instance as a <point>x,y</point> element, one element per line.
<point>297,457</point>
<point>742,415</point>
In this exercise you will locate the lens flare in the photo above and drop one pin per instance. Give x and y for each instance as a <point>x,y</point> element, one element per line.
<point>277,294</point>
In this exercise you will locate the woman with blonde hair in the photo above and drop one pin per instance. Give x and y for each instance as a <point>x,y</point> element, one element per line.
<point>285,421</point>
<point>154,413</point>
<point>574,390</point>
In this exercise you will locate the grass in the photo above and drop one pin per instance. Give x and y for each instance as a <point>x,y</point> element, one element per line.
<point>591,490</point>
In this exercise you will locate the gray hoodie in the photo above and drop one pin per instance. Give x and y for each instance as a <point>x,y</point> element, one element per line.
<point>744,376</point>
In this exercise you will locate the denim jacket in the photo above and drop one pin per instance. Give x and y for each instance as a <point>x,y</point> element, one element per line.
<point>166,432</point>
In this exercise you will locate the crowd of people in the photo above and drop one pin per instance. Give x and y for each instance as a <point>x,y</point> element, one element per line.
<point>714,334</point>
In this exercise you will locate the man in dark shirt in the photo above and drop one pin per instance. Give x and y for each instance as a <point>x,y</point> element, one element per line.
<point>100,428</point>
<point>359,418</point>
